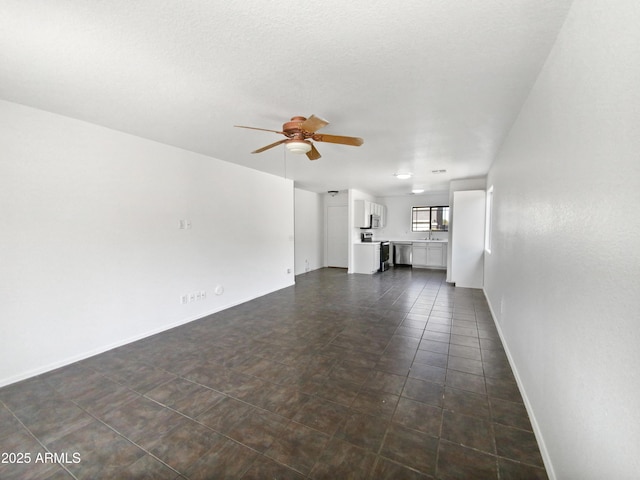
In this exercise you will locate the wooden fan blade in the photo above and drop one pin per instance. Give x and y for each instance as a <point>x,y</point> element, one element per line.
<point>313,124</point>
<point>263,129</point>
<point>313,154</point>
<point>275,144</point>
<point>354,141</point>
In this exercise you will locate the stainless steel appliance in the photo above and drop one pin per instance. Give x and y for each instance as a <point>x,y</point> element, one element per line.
<point>402,253</point>
<point>374,222</point>
<point>384,255</point>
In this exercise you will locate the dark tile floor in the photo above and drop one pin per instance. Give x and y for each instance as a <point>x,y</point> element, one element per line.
<point>391,376</point>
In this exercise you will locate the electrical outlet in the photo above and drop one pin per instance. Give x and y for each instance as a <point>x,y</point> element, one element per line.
<point>194,296</point>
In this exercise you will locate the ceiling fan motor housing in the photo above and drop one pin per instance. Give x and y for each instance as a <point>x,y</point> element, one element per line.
<point>292,129</point>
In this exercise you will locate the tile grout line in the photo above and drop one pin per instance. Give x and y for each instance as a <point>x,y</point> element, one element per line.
<point>35,437</point>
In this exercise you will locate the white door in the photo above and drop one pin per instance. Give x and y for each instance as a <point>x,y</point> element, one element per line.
<point>337,236</point>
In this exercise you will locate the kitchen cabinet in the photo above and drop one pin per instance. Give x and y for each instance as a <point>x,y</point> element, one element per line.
<point>419,255</point>
<point>366,257</point>
<point>429,254</point>
<point>437,255</point>
<point>363,209</point>
<point>361,213</point>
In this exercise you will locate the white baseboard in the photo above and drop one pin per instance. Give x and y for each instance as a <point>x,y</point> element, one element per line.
<point>76,358</point>
<point>534,424</point>
<point>309,271</point>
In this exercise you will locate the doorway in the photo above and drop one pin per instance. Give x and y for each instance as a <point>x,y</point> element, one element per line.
<point>337,236</point>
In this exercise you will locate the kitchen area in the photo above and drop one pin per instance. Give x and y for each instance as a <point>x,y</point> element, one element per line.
<point>441,230</point>
<point>375,253</point>
<point>417,231</point>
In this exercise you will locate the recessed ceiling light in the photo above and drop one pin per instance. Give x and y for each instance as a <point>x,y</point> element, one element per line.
<point>417,190</point>
<point>403,175</point>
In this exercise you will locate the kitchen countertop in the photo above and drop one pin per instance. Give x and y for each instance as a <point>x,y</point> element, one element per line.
<point>377,242</point>
<point>420,241</point>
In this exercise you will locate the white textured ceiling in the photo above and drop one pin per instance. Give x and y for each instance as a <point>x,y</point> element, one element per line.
<point>428,84</point>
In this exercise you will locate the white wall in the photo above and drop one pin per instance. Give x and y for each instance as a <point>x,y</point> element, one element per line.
<point>468,240</point>
<point>458,186</point>
<point>563,278</point>
<point>309,231</point>
<point>91,254</point>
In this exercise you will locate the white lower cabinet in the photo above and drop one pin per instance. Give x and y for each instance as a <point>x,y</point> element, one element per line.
<point>419,255</point>
<point>430,255</point>
<point>436,255</point>
<point>366,258</point>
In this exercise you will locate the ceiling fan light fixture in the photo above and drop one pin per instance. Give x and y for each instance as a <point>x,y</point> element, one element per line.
<point>298,146</point>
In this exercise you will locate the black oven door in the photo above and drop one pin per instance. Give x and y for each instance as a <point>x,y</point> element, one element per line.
<point>384,256</point>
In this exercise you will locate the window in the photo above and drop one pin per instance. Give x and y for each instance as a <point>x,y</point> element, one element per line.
<point>487,226</point>
<point>425,219</point>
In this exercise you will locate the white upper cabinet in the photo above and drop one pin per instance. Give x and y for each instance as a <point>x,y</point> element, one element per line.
<point>363,209</point>
<point>361,213</point>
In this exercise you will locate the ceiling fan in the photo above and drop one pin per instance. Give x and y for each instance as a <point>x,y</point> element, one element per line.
<point>300,131</point>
